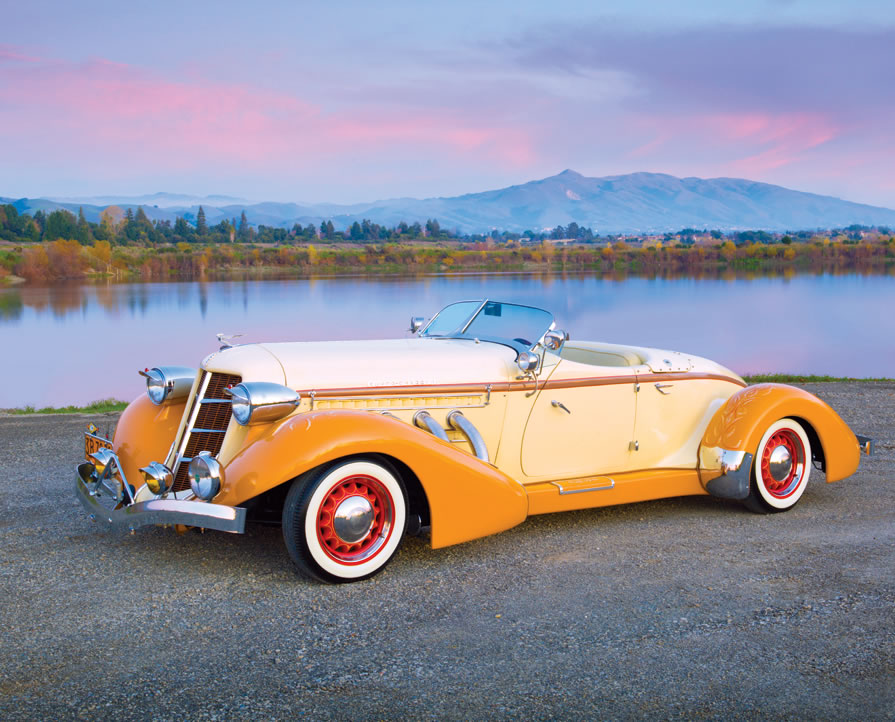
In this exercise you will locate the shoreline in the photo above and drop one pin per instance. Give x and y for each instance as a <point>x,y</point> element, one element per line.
<point>67,260</point>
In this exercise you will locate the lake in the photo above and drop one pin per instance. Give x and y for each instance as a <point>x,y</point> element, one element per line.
<point>76,343</point>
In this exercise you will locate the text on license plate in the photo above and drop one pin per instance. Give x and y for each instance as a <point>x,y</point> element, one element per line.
<point>93,443</point>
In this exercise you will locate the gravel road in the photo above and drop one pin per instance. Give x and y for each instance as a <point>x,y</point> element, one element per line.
<point>682,608</point>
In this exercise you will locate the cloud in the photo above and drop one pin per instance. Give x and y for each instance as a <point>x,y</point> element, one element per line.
<point>114,110</point>
<point>740,68</point>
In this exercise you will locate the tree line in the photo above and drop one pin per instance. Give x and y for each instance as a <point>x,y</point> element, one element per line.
<point>133,227</point>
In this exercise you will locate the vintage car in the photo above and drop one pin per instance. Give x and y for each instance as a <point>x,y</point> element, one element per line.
<point>480,418</point>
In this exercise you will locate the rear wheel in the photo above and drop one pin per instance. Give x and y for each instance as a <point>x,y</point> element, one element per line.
<point>344,522</point>
<point>781,468</point>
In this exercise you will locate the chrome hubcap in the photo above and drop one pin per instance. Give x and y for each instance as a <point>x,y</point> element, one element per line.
<point>353,519</point>
<point>780,463</point>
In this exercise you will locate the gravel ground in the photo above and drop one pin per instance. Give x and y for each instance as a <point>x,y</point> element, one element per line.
<point>682,608</point>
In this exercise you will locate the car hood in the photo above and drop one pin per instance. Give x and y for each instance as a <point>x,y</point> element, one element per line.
<point>364,364</point>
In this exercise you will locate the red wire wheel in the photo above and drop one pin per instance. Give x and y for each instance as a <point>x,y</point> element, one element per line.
<point>782,461</point>
<point>345,522</point>
<point>355,519</point>
<point>782,466</point>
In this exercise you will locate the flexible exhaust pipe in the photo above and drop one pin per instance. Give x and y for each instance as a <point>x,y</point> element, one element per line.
<point>458,421</point>
<point>424,420</point>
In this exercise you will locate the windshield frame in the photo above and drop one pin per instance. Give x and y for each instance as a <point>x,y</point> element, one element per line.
<point>504,341</point>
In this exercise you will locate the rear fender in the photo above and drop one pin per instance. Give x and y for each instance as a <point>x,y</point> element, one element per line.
<point>740,423</point>
<point>468,498</point>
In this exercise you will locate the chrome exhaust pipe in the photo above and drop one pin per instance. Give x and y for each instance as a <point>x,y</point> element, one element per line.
<point>424,420</point>
<point>458,421</point>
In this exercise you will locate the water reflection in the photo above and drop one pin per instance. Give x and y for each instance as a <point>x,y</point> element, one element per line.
<point>79,342</point>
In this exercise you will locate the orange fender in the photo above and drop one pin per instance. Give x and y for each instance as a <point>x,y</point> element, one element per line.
<point>144,433</point>
<point>740,423</point>
<point>468,498</point>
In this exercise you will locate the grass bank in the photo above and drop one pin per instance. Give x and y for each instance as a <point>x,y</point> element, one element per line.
<point>94,407</point>
<point>805,379</point>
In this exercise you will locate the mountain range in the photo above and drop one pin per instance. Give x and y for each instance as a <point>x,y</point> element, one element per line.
<point>632,203</point>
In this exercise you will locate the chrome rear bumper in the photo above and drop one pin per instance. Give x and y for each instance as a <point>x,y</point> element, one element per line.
<point>163,511</point>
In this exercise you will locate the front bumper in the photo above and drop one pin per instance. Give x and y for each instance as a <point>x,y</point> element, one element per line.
<point>163,511</point>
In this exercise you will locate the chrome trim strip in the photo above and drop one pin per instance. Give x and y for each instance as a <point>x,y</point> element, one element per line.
<point>417,401</point>
<point>165,511</point>
<point>441,390</point>
<point>194,414</point>
<point>458,421</point>
<point>209,431</point>
<point>563,491</point>
<point>474,316</point>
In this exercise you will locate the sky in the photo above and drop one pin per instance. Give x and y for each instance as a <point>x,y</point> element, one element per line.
<point>357,101</point>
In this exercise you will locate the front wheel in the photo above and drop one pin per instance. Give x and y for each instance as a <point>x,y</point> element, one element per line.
<point>781,468</point>
<point>344,523</point>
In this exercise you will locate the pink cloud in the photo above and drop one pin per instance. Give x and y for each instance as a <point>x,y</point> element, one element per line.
<point>9,53</point>
<point>771,141</point>
<point>109,109</point>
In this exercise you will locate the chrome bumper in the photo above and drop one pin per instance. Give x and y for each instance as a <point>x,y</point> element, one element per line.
<point>163,511</point>
<point>735,467</point>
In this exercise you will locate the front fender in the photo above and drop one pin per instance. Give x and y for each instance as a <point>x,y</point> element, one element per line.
<point>468,498</point>
<point>740,423</point>
<point>144,433</point>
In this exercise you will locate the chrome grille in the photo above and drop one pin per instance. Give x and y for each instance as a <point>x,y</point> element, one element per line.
<point>207,427</point>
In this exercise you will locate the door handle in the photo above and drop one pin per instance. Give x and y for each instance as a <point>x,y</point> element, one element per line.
<point>659,388</point>
<point>559,405</point>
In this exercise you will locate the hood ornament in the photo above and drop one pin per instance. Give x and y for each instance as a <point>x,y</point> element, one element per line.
<point>224,340</point>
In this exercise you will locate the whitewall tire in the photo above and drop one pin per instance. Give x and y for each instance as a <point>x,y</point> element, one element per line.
<point>344,522</point>
<point>781,467</point>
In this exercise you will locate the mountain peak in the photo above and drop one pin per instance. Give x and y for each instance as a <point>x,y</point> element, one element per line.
<point>569,173</point>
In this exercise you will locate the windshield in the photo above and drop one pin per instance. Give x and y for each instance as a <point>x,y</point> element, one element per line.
<point>508,323</point>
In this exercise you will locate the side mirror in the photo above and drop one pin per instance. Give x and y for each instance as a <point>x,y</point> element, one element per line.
<point>527,361</point>
<point>416,323</point>
<point>554,340</point>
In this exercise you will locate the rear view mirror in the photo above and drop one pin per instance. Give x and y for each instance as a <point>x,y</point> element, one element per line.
<point>416,323</point>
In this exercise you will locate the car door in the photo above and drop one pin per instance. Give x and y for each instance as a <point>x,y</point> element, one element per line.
<point>581,422</point>
<point>673,410</point>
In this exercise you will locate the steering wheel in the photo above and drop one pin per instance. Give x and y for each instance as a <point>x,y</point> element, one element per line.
<point>523,341</point>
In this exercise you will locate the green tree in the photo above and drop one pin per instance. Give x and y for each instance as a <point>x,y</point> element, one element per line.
<point>243,230</point>
<point>83,234</point>
<point>61,224</point>
<point>201,224</point>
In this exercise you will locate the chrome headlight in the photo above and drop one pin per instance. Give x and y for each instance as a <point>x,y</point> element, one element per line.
<point>527,361</point>
<point>168,382</point>
<point>259,401</point>
<point>158,477</point>
<point>205,475</point>
<point>101,460</point>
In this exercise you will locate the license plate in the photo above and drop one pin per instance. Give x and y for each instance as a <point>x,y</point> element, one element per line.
<point>93,443</point>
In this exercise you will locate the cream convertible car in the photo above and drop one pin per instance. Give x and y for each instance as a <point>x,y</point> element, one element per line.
<point>488,416</point>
